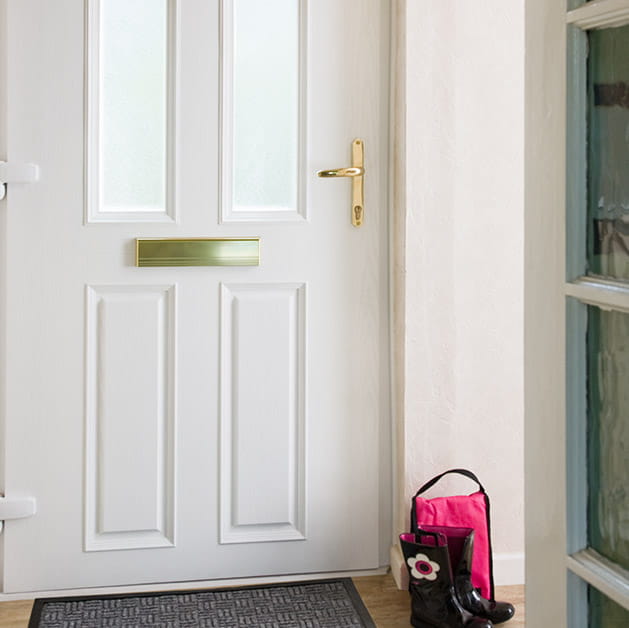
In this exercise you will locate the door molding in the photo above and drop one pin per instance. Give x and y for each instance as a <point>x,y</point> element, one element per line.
<point>3,243</point>
<point>544,312</point>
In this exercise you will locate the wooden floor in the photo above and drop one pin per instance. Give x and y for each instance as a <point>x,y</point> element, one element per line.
<point>389,607</point>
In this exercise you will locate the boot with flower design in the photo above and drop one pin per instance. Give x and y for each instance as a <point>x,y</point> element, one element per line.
<point>434,603</point>
<point>461,549</point>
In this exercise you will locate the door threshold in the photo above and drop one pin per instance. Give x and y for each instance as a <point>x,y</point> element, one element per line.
<point>189,585</point>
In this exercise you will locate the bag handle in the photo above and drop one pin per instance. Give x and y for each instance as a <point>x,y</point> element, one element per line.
<point>464,472</point>
<point>420,532</point>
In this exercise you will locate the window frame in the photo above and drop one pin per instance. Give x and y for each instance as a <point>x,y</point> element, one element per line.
<point>585,565</point>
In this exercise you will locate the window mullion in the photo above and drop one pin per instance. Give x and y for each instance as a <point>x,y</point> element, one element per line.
<point>601,14</point>
<point>601,573</point>
<point>603,293</point>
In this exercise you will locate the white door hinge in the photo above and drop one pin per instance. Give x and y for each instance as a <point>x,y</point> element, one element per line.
<point>15,172</point>
<point>17,507</point>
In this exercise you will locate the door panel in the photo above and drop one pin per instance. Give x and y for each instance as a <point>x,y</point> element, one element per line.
<point>263,352</point>
<point>131,78</point>
<point>186,423</point>
<point>263,115</point>
<point>129,422</point>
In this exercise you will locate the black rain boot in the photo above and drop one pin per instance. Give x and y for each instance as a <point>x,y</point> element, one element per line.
<point>461,545</point>
<point>434,603</point>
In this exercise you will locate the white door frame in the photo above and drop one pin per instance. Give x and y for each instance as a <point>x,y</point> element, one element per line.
<point>388,454</point>
<point>544,312</point>
<point>3,231</point>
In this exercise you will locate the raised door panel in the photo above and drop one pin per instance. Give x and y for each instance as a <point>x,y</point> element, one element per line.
<point>262,412</point>
<point>130,420</point>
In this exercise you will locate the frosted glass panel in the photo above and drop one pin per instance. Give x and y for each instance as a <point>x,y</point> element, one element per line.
<point>134,79</point>
<point>605,613</point>
<point>265,105</point>
<point>608,152</point>
<point>608,434</point>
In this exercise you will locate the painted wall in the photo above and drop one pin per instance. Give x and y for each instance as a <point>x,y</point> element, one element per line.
<point>459,265</point>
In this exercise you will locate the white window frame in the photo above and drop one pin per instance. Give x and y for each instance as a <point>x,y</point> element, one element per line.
<point>582,291</point>
<point>557,292</point>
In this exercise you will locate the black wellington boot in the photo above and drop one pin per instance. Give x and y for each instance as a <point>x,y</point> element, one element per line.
<point>461,545</point>
<point>434,603</point>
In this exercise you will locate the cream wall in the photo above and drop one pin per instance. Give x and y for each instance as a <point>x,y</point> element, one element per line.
<point>458,235</point>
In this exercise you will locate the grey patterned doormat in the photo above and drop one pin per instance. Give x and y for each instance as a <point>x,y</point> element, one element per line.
<point>311,604</point>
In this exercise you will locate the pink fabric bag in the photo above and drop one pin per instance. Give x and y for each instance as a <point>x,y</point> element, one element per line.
<point>461,511</point>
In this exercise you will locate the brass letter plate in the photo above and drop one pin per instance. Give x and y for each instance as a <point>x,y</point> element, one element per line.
<point>198,252</point>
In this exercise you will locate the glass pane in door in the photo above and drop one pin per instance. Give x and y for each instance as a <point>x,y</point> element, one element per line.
<point>608,152</point>
<point>608,434</point>
<point>133,104</point>
<point>605,613</point>
<point>266,93</point>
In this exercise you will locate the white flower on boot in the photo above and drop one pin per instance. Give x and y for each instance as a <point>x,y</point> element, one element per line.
<point>422,567</point>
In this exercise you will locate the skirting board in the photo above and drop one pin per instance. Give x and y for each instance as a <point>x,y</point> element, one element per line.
<point>508,568</point>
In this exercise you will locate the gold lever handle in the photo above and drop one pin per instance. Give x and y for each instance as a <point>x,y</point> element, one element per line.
<point>342,172</point>
<point>356,171</point>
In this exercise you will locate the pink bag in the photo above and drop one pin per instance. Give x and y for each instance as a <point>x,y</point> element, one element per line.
<point>461,511</point>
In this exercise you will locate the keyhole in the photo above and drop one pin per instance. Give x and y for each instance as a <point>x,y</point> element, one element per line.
<point>358,213</point>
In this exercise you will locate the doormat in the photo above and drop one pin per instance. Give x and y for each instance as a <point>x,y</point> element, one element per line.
<point>311,604</point>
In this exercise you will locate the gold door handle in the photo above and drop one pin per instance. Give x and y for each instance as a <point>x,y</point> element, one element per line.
<point>356,171</point>
<point>342,172</point>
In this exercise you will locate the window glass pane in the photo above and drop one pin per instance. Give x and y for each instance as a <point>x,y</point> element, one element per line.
<point>608,152</point>
<point>608,433</point>
<point>605,613</point>
<point>266,104</point>
<point>133,104</point>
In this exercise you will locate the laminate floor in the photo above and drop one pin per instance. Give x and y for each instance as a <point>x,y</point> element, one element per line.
<point>389,607</point>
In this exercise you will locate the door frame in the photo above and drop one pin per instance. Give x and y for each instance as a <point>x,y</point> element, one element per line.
<point>387,465</point>
<point>544,312</point>
<point>3,274</point>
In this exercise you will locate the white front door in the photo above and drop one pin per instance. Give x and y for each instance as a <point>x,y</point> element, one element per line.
<point>194,422</point>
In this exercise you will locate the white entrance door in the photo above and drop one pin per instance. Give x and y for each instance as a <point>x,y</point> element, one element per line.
<point>194,422</point>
